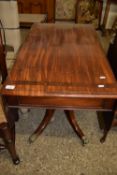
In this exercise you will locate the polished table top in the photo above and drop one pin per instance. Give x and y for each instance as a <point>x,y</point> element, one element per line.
<point>65,61</point>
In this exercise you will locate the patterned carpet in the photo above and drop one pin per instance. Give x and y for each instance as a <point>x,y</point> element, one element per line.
<point>58,150</point>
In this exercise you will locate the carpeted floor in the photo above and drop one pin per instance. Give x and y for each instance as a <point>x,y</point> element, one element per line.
<point>58,150</point>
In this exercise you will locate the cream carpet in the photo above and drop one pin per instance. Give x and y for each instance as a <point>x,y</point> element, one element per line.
<point>58,150</point>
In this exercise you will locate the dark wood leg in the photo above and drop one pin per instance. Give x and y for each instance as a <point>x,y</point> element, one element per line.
<point>108,119</point>
<point>108,4</point>
<point>114,124</point>
<point>13,114</point>
<point>100,2</point>
<point>48,115</point>
<point>3,68</point>
<point>100,119</point>
<point>12,130</point>
<point>9,142</point>
<point>12,117</point>
<point>13,133</point>
<point>76,11</point>
<point>73,122</point>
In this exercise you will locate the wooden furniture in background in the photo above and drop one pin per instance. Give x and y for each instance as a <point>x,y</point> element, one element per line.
<point>89,12</point>
<point>65,68</point>
<point>112,57</point>
<point>3,68</point>
<point>106,14</point>
<point>38,7</point>
<point>7,131</point>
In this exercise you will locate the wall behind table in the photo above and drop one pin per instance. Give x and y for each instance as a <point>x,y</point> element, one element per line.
<point>112,15</point>
<point>65,9</point>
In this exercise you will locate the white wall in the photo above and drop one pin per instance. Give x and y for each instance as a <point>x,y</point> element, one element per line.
<point>112,14</point>
<point>10,20</point>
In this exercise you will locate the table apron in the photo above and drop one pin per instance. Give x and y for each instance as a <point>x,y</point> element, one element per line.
<point>59,102</point>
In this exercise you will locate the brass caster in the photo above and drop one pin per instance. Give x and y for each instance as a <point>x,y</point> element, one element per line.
<point>32,138</point>
<point>84,140</point>
<point>16,161</point>
<point>102,140</point>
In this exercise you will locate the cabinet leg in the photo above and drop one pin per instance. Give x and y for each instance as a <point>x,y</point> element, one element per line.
<point>108,119</point>
<point>9,142</point>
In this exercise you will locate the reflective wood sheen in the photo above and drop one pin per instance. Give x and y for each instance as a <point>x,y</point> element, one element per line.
<point>62,61</point>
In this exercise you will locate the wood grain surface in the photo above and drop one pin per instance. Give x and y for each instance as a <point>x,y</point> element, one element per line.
<point>61,61</point>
